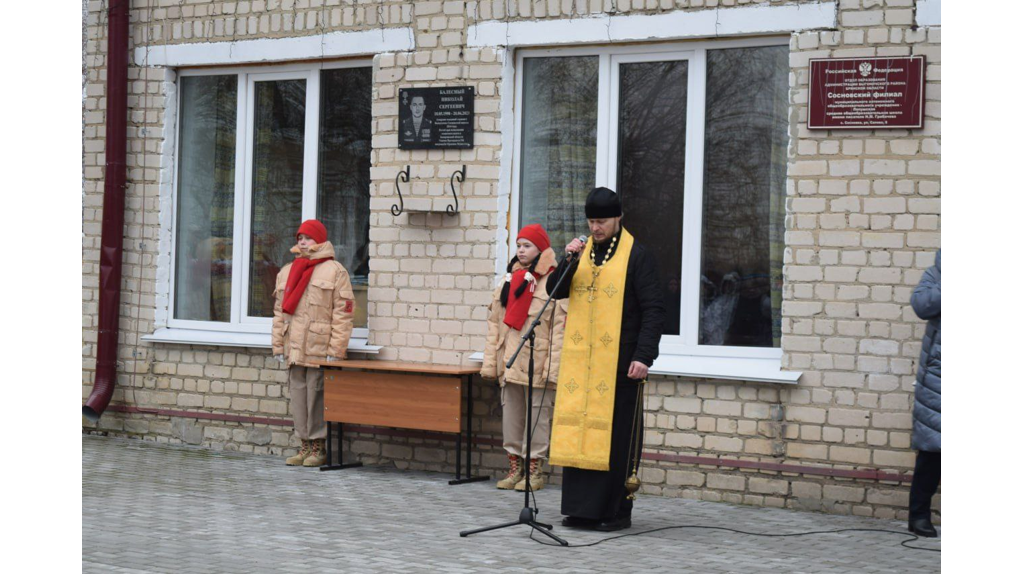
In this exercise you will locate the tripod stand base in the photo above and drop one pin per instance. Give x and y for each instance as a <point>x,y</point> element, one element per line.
<point>528,517</point>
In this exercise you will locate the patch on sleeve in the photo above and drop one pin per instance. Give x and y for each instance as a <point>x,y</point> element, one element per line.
<point>349,306</point>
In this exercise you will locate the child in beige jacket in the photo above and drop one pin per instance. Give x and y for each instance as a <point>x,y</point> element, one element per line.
<point>514,307</point>
<point>313,311</point>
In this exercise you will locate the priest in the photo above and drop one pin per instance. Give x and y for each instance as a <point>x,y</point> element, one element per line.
<point>611,339</point>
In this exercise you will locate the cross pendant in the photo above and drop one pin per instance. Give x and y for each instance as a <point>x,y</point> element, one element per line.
<point>591,291</point>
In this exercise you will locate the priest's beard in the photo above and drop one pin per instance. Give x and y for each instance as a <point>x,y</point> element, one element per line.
<point>615,231</point>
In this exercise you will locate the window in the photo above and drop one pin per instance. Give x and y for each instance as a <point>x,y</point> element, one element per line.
<point>259,151</point>
<point>693,137</point>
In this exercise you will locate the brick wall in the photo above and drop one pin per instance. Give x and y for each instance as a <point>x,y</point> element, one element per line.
<point>863,220</point>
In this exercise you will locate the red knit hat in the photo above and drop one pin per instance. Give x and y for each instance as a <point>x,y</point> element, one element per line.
<point>536,235</point>
<point>314,229</point>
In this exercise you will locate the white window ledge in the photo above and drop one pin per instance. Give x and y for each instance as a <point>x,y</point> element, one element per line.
<point>732,368</point>
<point>743,369</point>
<point>232,339</point>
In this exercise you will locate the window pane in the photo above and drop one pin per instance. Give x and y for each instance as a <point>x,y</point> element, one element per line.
<point>652,148</point>
<point>559,144</point>
<point>343,196</point>
<point>278,132</point>
<point>744,195</point>
<point>206,196</point>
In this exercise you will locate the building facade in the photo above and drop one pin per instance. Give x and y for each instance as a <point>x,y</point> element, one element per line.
<point>788,255</point>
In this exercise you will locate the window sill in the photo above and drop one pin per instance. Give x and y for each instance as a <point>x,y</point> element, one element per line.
<point>762,370</point>
<point>233,339</point>
<point>729,368</point>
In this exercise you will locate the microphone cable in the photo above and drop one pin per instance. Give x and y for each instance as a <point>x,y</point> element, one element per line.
<point>911,536</point>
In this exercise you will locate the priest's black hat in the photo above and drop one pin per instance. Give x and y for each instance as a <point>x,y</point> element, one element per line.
<point>603,203</point>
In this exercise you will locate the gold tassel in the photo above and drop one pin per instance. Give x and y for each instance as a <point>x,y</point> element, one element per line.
<point>635,449</point>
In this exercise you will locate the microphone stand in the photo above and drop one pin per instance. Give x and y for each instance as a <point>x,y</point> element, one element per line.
<point>528,514</point>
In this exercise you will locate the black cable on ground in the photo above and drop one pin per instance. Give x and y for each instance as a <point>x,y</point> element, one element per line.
<point>912,537</point>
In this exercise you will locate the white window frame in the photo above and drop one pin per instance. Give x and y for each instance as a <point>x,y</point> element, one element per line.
<point>679,354</point>
<point>243,330</point>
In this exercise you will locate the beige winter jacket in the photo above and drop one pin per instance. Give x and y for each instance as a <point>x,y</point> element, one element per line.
<point>322,322</point>
<point>502,340</point>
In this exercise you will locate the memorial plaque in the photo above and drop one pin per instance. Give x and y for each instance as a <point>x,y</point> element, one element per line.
<point>435,118</point>
<point>866,93</point>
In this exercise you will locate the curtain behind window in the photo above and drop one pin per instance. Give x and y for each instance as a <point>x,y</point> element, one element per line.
<point>278,137</point>
<point>206,198</point>
<point>559,144</point>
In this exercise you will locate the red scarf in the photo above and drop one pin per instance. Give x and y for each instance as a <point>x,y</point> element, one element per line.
<point>518,308</point>
<point>298,279</point>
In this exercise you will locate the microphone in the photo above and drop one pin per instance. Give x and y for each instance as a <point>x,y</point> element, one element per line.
<point>573,256</point>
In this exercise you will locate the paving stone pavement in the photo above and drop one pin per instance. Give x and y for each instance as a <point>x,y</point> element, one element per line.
<point>158,508</point>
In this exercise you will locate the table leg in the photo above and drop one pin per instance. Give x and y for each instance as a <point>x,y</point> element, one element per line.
<point>468,382</point>
<point>341,465</point>
<point>330,442</point>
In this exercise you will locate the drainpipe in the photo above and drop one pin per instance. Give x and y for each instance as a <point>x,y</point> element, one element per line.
<point>113,210</point>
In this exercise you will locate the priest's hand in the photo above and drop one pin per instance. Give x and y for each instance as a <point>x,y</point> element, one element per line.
<point>637,371</point>
<point>575,246</point>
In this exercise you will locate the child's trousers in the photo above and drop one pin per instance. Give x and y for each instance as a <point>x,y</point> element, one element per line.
<point>513,420</point>
<point>306,385</point>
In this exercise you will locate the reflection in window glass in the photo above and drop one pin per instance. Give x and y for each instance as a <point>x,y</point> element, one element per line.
<point>278,132</point>
<point>744,194</point>
<point>559,144</point>
<point>343,196</point>
<point>652,149</point>
<point>206,196</point>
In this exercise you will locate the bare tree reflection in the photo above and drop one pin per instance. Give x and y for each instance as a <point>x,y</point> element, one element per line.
<point>343,200</point>
<point>744,175</point>
<point>744,191</point>
<point>651,155</point>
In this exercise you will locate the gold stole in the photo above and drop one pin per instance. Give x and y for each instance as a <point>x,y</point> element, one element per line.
<point>581,431</point>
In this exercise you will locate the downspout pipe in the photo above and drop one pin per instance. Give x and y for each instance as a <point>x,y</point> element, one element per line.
<point>115,173</point>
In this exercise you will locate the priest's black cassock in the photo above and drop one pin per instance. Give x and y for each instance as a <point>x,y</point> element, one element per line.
<point>601,495</point>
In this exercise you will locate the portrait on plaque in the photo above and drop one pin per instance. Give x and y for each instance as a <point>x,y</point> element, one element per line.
<point>417,128</point>
<point>435,118</point>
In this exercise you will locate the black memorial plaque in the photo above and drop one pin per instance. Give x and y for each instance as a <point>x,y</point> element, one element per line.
<point>435,118</point>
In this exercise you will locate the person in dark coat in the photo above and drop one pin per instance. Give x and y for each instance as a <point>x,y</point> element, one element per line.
<point>595,499</point>
<point>927,434</point>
